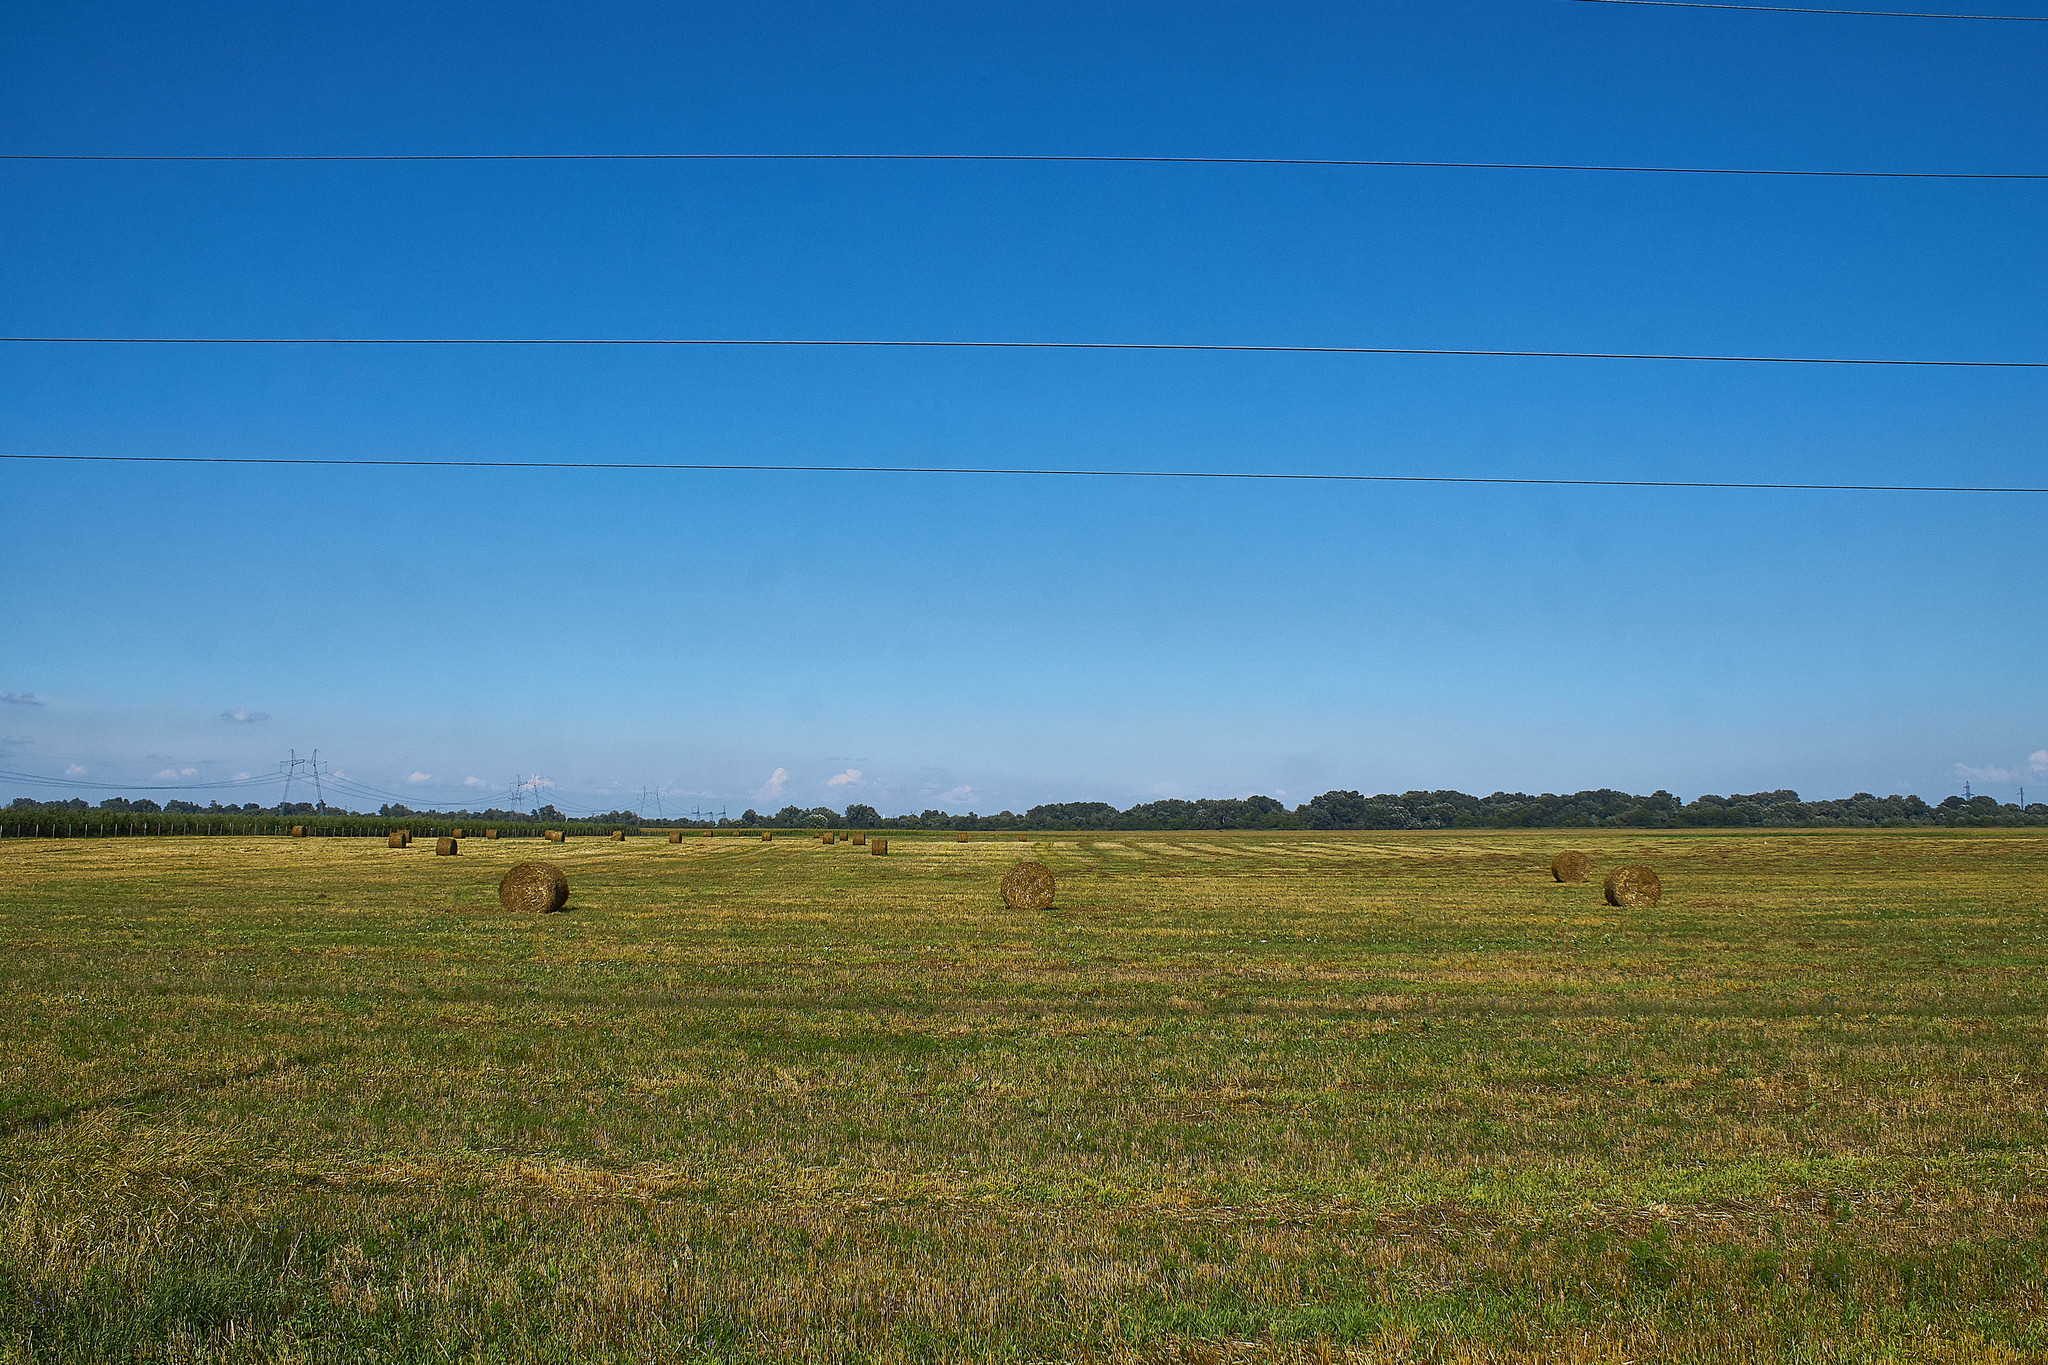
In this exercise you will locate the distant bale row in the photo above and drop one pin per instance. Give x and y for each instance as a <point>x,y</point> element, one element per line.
<point>1633,886</point>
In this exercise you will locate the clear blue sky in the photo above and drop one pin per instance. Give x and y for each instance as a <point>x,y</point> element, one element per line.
<point>984,643</point>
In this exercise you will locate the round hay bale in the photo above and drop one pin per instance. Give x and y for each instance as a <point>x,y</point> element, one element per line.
<point>618,836</point>
<point>1571,866</point>
<point>490,834</point>
<point>455,834</point>
<point>675,836</point>
<point>827,839</point>
<point>878,847</point>
<point>767,836</point>
<point>537,888</point>
<point>298,831</point>
<point>860,837</point>
<point>959,838</point>
<point>444,848</point>
<point>1028,886</point>
<point>1023,838</point>
<point>1633,887</point>
<point>554,836</point>
<point>395,839</point>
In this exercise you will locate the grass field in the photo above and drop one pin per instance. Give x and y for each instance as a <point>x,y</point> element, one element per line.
<point>1239,1097</point>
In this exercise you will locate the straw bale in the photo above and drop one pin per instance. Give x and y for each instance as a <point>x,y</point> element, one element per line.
<point>675,836</point>
<point>878,847</point>
<point>618,836</point>
<point>1571,866</point>
<point>960,838</point>
<point>456,834</point>
<point>298,831</point>
<point>767,836</point>
<point>444,847</point>
<point>1633,887</point>
<point>395,839</point>
<point>860,837</point>
<point>535,887</point>
<point>555,836</point>
<point>826,838</point>
<point>490,834</point>
<point>1028,886</point>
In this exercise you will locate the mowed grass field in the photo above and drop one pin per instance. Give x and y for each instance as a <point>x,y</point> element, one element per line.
<point>1238,1097</point>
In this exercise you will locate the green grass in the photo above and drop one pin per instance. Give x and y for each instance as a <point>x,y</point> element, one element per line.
<point>1281,1096</point>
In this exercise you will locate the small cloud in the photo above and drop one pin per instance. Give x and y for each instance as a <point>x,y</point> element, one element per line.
<point>2037,760</point>
<point>1279,791</point>
<point>472,781</point>
<point>419,777</point>
<point>19,698</point>
<point>167,773</point>
<point>242,715</point>
<point>961,793</point>
<point>74,771</point>
<point>241,777</point>
<point>188,772</point>
<point>772,788</point>
<point>850,775</point>
<point>1964,770</point>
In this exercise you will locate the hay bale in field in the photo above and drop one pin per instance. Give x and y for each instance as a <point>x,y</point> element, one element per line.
<point>490,834</point>
<point>675,836</point>
<point>767,836</point>
<point>860,837</point>
<point>959,838</point>
<point>395,839</point>
<point>1023,838</point>
<point>1571,866</point>
<point>444,848</point>
<point>827,839</point>
<point>1028,886</point>
<point>878,847</point>
<point>555,836</point>
<point>1633,887</point>
<point>538,888</point>
<point>456,834</point>
<point>618,836</point>
<point>842,836</point>
<point>298,831</point>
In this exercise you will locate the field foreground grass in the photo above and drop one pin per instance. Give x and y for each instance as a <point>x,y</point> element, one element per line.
<point>1238,1097</point>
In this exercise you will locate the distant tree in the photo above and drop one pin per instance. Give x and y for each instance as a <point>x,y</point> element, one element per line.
<point>861,816</point>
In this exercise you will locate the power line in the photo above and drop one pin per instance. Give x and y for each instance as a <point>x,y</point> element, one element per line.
<point>881,344</point>
<point>1798,9</point>
<point>228,785</point>
<point>1252,476</point>
<point>1054,158</point>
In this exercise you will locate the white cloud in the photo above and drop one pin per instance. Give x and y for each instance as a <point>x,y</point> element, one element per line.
<point>419,777</point>
<point>2037,760</point>
<point>772,789</point>
<point>1964,770</point>
<point>1279,791</point>
<point>242,715</point>
<point>188,772</point>
<point>960,793</point>
<point>472,781</point>
<point>168,772</point>
<point>850,775</point>
<point>74,771</point>
<point>241,777</point>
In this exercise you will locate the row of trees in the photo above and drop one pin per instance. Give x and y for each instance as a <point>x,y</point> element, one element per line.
<point>1331,810</point>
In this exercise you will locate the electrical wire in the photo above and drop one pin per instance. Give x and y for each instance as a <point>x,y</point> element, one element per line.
<point>226,785</point>
<point>1496,353</point>
<point>1799,9</point>
<point>1022,472</point>
<point>1076,158</point>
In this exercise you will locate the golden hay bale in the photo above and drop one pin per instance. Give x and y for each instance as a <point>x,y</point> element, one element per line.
<point>1571,865</point>
<point>826,838</point>
<point>536,887</point>
<point>767,836</point>
<point>490,834</point>
<point>298,831</point>
<point>1633,887</point>
<point>860,837</point>
<point>444,847</point>
<point>395,839</point>
<point>878,847</point>
<point>959,838</point>
<point>675,836</point>
<point>1028,886</point>
<point>842,836</point>
<point>1023,838</point>
<point>455,834</point>
<point>618,836</point>
<point>555,836</point>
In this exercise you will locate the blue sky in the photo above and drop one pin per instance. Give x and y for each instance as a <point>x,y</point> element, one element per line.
<point>980,643</point>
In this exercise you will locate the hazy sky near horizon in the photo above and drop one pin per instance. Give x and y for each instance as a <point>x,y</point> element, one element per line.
<point>744,639</point>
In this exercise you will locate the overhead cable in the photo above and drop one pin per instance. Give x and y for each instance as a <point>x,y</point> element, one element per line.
<point>1242,476</point>
<point>1072,158</point>
<point>927,345</point>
